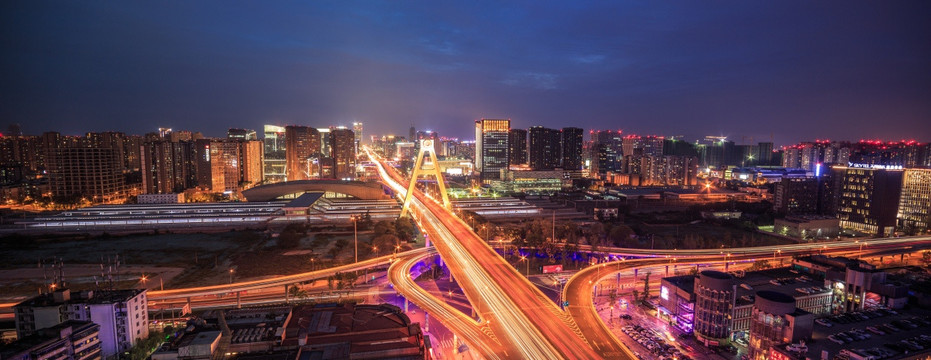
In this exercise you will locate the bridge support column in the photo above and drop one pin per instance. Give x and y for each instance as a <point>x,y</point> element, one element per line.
<point>239,299</point>
<point>426,146</point>
<point>188,305</point>
<point>667,270</point>
<point>287,295</point>
<point>405,305</point>
<point>426,322</point>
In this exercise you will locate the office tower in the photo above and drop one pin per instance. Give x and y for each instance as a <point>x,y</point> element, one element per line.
<point>168,167</point>
<point>915,203</point>
<point>357,130</point>
<point>412,133</point>
<point>241,134</point>
<point>302,143</point>
<point>517,141</point>
<point>343,152</point>
<point>225,167</point>
<point>715,296</point>
<point>796,196</point>
<point>491,148</point>
<point>275,161</point>
<point>219,164</point>
<point>121,314</point>
<point>92,173</point>
<point>544,149</point>
<point>611,151</point>
<point>251,159</point>
<point>869,198</point>
<point>324,142</point>
<point>572,148</point>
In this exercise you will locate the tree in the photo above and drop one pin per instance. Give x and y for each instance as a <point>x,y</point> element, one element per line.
<point>597,231</point>
<point>384,227</point>
<point>646,286</point>
<point>387,242</point>
<point>365,222</point>
<point>404,228</point>
<point>296,292</point>
<point>760,265</point>
<point>620,235</point>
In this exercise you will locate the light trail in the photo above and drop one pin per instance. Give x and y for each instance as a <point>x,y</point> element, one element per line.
<point>525,321</point>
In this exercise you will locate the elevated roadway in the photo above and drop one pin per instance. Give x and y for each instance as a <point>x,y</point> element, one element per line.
<point>526,324</point>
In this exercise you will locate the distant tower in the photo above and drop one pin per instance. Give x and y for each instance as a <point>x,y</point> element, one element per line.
<point>491,147</point>
<point>412,134</point>
<point>425,147</point>
<point>357,130</point>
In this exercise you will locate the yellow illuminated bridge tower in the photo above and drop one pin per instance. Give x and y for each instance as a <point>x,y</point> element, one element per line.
<point>426,146</point>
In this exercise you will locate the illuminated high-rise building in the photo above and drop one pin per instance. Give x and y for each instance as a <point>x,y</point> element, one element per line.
<point>517,141</point>
<point>343,152</point>
<point>868,198</point>
<point>544,150</point>
<point>302,144</point>
<point>251,160</point>
<point>92,173</point>
<point>168,167</point>
<point>608,150</point>
<point>275,161</point>
<point>915,203</point>
<point>357,130</point>
<point>241,134</point>
<point>572,141</point>
<point>491,147</point>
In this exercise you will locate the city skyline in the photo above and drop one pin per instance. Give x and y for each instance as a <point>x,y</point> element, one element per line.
<point>795,71</point>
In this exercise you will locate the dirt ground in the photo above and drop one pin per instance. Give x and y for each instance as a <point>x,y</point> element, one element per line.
<point>169,260</point>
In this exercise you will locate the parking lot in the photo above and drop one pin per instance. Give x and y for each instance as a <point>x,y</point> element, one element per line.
<point>876,334</point>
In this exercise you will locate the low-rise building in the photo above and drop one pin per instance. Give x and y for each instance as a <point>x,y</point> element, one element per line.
<point>74,340</point>
<point>122,315</point>
<point>808,226</point>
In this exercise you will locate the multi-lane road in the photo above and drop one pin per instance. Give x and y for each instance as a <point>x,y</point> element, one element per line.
<point>522,322</point>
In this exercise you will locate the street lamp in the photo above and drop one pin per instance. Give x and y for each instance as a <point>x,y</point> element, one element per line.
<point>313,264</point>
<point>355,234</point>
<point>524,258</point>
<point>231,276</point>
<point>144,279</point>
<point>375,250</point>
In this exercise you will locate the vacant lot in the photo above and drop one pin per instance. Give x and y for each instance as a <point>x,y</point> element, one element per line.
<point>172,260</point>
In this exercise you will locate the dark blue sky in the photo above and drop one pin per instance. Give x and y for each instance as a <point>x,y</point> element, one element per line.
<point>795,69</point>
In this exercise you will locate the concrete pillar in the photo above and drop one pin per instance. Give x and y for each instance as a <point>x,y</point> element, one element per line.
<point>287,296</point>
<point>405,305</point>
<point>239,300</point>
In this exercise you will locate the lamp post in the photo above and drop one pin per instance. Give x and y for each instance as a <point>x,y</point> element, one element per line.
<point>355,235</point>
<point>313,264</point>
<point>144,281</point>
<point>231,276</point>
<point>524,258</point>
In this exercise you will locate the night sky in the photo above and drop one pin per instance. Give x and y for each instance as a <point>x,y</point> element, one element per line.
<point>797,70</point>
